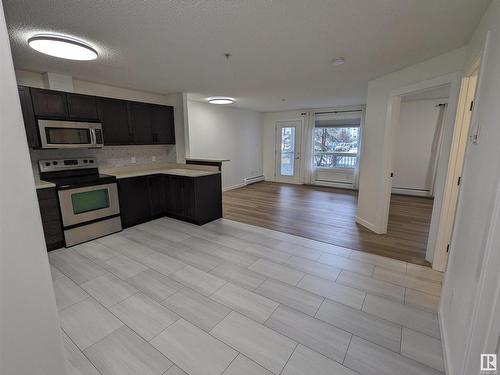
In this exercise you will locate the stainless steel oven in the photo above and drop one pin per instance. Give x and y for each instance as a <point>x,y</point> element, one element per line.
<point>88,201</point>
<point>70,134</point>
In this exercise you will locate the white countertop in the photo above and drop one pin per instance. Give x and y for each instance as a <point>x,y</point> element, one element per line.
<point>40,184</point>
<point>148,171</point>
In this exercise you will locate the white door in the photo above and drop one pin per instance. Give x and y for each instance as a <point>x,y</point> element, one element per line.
<point>288,144</point>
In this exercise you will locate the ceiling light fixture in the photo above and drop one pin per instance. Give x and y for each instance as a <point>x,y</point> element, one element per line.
<point>62,46</point>
<point>338,61</point>
<point>220,100</point>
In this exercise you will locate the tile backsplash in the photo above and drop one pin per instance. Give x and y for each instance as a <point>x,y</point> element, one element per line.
<point>111,156</point>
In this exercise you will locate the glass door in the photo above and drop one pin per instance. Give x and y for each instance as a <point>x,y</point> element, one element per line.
<point>288,137</point>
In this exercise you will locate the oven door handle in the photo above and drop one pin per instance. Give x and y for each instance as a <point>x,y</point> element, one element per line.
<point>93,139</point>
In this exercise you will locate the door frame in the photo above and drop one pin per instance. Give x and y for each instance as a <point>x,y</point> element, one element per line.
<point>297,178</point>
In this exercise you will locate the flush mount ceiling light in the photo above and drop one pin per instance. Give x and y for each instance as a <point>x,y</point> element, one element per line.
<point>220,100</point>
<point>62,46</point>
<point>338,61</point>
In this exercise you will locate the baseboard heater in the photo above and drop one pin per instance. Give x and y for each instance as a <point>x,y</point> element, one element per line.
<point>254,179</point>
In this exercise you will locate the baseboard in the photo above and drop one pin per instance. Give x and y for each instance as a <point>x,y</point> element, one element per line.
<point>339,185</point>
<point>411,192</point>
<point>448,369</point>
<point>254,179</point>
<point>234,186</point>
<point>370,226</point>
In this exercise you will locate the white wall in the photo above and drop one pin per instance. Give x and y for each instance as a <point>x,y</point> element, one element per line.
<point>413,148</point>
<point>376,146</point>
<point>218,132</point>
<point>30,338</point>
<point>472,277</point>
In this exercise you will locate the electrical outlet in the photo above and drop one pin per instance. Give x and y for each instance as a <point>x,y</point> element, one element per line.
<point>153,158</point>
<point>133,160</point>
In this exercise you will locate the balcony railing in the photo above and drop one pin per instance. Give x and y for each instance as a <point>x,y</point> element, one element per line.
<point>335,160</point>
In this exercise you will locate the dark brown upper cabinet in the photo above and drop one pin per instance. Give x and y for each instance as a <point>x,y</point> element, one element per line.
<point>49,103</point>
<point>82,107</point>
<point>29,117</point>
<point>140,120</point>
<point>116,126</point>
<point>162,124</point>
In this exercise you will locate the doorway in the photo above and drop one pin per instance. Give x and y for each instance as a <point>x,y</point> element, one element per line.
<point>288,151</point>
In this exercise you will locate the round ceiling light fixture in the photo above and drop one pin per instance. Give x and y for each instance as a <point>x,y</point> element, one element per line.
<point>62,46</point>
<point>338,61</point>
<point>220,100</point>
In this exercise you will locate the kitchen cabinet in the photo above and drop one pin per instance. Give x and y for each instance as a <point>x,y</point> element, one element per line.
<point>51,218</point>
<point>140,122</point>
<point>197,200</point>
<point>115,121</point>
<point>82,107</point>
<point>30,125</point>
<point>135,203</point>
<point>49,103</point>
<point>124,122</point>
<point>162,124</point>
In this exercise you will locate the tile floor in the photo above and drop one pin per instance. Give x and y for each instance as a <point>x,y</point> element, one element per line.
<point>168,297</point>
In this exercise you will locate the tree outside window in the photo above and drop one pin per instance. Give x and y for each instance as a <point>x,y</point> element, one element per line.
<point>336,147</point>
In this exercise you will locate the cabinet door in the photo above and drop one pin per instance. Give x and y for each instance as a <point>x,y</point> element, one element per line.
<point>49,103</point>
<point>30,124</point>
<point>51,218</point>
<point>180,202</point>
<point>83,107</point>
<point>162,124</point>
<point>115,121</point>
<point>157,195</point>
<point>140,118</point>
<point>135,205</point>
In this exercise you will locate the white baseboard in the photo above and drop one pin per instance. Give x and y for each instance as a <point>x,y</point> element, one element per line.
<point>253,179</point>
<point>370,226</point>
<point>339,185</point>
<point>412,192</point>
<point>234,186</point>
<point>448,369</point>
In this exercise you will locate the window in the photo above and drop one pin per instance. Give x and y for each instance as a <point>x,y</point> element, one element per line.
<point>336,146</point>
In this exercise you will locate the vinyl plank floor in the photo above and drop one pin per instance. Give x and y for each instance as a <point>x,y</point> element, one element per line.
<point>198,280</point>
<point>95,251</point>
<point>198,259</point>
<point>87,322</point>
<point>267,253</point>
<point>371,285</point>
<point>314,268</point>
<point>422,348</point>
<point>245,302</point>
<point>108,289</point>
<point>422,300</point>
<point>123,267</point>
<point>313,333</point>
<point>239,275</point>
<point>163,263</point>
<point>370,359</point>
<point>76,362</point>
<point>347,264</point>
<point>259,343</point>
<point>404,315</point>
<point>277,271</point>
<point>337,292</point>
<point>76,267</point>
<point>201,311</point>
<point>408,281</point>
<point>377,260</point>
<point>125,353</point>
<point>306,361</point>
<point>193,350</point>
<point>174,370</point>
<point>145,316</point>
<point>245,366</point>
<point>125,246</point>
<point>154,284</point>
<point>298,250</point>
<point>291,296</point>
<point>67,292</point>
<point>359,323</point>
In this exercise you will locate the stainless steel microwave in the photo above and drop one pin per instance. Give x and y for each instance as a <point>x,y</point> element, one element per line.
<point>70,134</point>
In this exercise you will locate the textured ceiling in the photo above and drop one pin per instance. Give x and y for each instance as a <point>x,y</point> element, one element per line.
<point>281,49</point>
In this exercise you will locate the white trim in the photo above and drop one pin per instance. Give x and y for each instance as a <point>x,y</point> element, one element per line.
<point>369,225</point>
<point>333,184</point>
<point>411,192</point>
<point>254,179</point>
<point>448,368</point>
<point>234,186</point>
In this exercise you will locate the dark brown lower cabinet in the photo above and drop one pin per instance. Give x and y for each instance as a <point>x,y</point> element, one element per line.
<point>51,218</point>
<point>197,200</point>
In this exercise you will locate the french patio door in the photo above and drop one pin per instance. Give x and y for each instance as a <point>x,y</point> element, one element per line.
<point>288,155</point>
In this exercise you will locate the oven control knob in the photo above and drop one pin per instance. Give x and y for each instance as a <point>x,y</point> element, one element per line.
<point>47,163</point>
<point>91,161</point>
<point>54,162</point>
<point>85,161</point>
